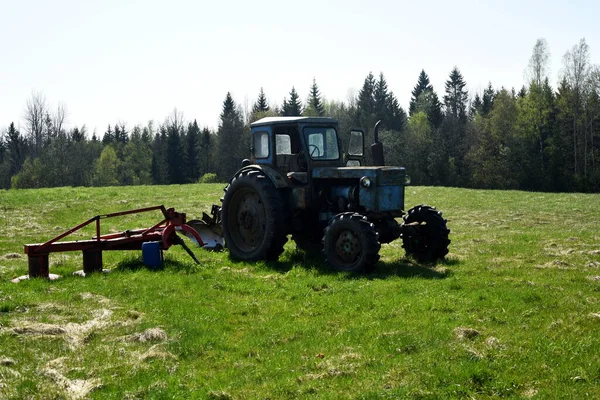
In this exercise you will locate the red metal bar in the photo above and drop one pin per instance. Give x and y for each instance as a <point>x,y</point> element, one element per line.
<point>126,243</point>
<point>136,211</point>
<point>128,233</point>
<point>97,219</point>
<point>149,230</point>
<point>62,235</point>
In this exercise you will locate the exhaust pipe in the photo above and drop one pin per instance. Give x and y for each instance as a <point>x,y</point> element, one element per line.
<point>377,147</point>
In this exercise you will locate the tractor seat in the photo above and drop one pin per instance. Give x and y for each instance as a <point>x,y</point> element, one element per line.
<point>298,177</point>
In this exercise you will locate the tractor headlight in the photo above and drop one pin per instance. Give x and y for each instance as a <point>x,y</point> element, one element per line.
<point>365,182</point>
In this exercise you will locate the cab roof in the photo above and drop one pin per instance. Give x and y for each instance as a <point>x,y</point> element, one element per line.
<point>293,120</point>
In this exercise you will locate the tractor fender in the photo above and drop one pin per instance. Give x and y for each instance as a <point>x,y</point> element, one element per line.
<point>274,175</point>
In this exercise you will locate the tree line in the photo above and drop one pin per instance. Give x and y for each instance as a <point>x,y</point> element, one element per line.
<point>536,138</point>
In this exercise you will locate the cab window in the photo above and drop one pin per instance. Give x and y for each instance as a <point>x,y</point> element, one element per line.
<point>322,143</point>
<point>261,145</point>
<point>283,144</point>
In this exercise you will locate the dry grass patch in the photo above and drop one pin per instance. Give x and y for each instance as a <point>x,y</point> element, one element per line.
<point>73,389</point>
<point>155,353</point>
<point>75,334</point>
<point>462,333</point>
<point>149,335</point>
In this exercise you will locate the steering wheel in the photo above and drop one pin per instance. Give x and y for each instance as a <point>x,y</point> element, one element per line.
<point>312,149</point>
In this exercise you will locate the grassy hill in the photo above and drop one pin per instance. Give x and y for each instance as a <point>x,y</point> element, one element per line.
<point>513,312</point>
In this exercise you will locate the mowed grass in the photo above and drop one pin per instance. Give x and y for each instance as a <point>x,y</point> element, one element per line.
<point>513,312</point>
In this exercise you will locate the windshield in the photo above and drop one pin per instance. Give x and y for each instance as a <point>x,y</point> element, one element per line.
<point>322,143</point>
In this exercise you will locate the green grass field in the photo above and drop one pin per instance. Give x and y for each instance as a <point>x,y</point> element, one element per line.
<point>513,312</point>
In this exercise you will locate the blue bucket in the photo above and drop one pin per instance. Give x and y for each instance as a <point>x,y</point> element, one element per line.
<point>152,255</point>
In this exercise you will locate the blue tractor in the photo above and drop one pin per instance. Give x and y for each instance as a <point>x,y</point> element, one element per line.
<point>298,182</point>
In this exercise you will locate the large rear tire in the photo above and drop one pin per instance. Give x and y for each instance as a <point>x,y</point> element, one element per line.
<point>254,217</point>
<point>350,243</point>
<point>425,234</point>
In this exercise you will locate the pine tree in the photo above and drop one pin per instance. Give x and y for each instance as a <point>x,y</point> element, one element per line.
<point>206,146</point>
<point>261,104</point>
<point>160,174</point>
<point>121,134</point>
<point>230,140</point>
<point>476,105</point>
<point>109,136</point>
<point>396,116</point>
<point>456,96</point>
<point>422,85</point>
<point>16,148</point>
<point>175,153</point>
<point>77,135</point>
<point>487,100</point>
<point>315,102</point>
<point>381,99</point>
<point>192,152</point>
<point>454,129</point>
<point>293,106</point>
<point>366,100</point>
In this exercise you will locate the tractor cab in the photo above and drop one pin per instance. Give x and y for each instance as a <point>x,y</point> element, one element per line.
<point>295,144</point>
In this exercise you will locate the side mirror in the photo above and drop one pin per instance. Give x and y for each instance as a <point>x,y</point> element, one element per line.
<point>356,145</point>
<point>356,148</point>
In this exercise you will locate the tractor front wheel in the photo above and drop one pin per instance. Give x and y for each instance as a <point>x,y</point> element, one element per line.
<point>350,243</point>
<point>425,234</point>
<point>254,217</point>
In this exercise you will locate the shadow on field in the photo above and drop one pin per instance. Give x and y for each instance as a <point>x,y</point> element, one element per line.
<point>404,268</point>
<point>136,263</point>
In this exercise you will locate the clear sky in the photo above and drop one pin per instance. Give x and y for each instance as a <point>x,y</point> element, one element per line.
<point>133,61</point>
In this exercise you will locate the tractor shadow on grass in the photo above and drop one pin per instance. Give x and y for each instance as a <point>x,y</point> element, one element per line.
<point>403,268</point>
<point>135,263</point>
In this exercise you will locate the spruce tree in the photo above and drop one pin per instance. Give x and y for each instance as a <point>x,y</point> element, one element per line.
<point>476,105</point>
<point>454,128</point>
<point>109,136</point>
<point>231,140</point>
<point>381,99</point>
<point>422,85</point>
<point>366,101</point>
<point>456,96</point>
<point>293,106</point>
<point>396,116</point>
<point>206,144</point>
<point>284,107</point>
<point>16,148</point>
<point>192,152</point>
<point>315,102</point>
<point>261,104</point>
<point>175,155</point>
<point>159,157</point>
<point>487,100</point>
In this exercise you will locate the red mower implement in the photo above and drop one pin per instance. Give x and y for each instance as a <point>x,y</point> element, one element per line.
<point>163,235</point>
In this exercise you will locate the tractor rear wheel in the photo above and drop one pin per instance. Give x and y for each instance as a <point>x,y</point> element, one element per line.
<point>425,234</point>
<point>350,243</point>
<point>254,217</point>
